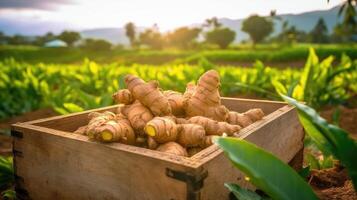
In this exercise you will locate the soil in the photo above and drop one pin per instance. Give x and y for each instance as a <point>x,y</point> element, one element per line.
<point>332,184</point>
<point>347,121</point>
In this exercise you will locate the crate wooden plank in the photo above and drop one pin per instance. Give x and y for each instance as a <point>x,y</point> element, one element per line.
<point>56,167</point>
<point>69,122</point>
<point>70,166</point>
<point>284,144</point>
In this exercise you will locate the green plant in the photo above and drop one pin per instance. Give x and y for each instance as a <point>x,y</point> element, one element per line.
<point>330,139</point>
<point>265,171</point>
<point>321,83</point>
<point>6,177</point>
<point>8,194</point>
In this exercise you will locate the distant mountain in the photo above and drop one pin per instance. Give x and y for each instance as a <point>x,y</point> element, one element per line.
<point>114,35</point>
<point>304,21</point>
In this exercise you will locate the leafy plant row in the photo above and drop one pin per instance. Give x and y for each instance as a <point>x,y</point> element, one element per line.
<point>69,88</point>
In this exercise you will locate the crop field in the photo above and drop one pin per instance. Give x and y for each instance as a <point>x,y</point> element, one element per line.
<point>237,55</point>
<point>75,87</point>
<point>69,84</point>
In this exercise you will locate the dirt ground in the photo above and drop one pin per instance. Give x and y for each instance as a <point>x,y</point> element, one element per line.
<point>332,184</point>
<point>347,121</point>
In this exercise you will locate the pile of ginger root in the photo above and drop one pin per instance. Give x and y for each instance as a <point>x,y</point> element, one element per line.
<point>168,121</point>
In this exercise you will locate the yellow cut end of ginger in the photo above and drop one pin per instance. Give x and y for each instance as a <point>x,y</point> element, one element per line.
<point>150,130</point>
<point>107,136</point>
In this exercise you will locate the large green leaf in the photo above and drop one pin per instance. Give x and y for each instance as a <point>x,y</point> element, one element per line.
<point>266,171</point>
<point>329,138</point>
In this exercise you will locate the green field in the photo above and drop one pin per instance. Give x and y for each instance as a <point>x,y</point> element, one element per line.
<point>74,87</point>
<point>241,55</point>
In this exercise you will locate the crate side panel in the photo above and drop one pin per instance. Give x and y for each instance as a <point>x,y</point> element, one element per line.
<point>69,122</point>
<point>54,167</point>
<point>283,137</point>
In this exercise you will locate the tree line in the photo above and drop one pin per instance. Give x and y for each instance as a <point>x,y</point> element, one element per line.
<point>69,37</point>
<point>257,27</point>
<point>211,34</point>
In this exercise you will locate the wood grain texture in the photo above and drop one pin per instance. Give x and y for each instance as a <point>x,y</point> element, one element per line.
<point>282,136</point>
<point>57,167</point>
<point>57,164</point>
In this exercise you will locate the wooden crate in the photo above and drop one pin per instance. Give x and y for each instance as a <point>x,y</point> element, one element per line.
<point>53,163</point>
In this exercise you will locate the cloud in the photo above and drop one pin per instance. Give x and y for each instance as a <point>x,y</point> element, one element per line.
<point>33,4</point>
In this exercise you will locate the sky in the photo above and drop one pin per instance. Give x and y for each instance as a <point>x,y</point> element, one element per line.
<point>168,14</point>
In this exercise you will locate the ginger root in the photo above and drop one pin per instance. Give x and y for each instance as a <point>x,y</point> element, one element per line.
<point>213,127</point>
<point>176,102</point>
<point>81,130</point>
<point>204,99</point>
<point>149,95</point>
<point>116,131</point>
<point>96,120</point>
<point>138,115</point>
<point>172,148</point>
<point>207,141</point>
<point>152,144</point>
<point>161,129</point>
<point>246,118</point>
<point>190,135</point>
<point>123,96</point>
<point>168,121</point>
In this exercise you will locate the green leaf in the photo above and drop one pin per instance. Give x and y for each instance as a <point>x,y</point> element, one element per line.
<point>6,172</point>
<point>243,194</point>
<point>8,194</point>
<point>312,161</point>
<point>326,162</point>
<point>336,116</point>
<point>304,172</point>
<point>61,111</point>
<point>265,171</point>
<point>307,75</point>
<point>71,107</point>
<point>328,138</point>
<point>279,87</point>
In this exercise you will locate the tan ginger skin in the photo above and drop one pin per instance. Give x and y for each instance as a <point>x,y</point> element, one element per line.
<point>190,135</point>
<point>176,102</point>
<point>118,130</point>
<point>207,141</point>
<point>168,121</point>
<point>213,127</point>
<point>162,129</point>
<point>123,96</point>
<point>138,115</point>
<point>149,95</point>
<point>204,99</point>
<point>152,144</point>
<point>246,118</point>
<point>95,120</point>
<point>172,148</point>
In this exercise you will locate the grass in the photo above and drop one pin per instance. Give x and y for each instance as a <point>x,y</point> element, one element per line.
<point>236,55</point>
